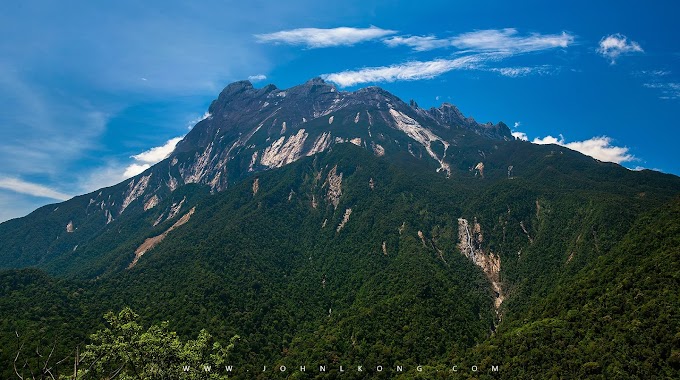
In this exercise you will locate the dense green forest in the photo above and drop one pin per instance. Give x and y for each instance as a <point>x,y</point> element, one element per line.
<point>588,253</point>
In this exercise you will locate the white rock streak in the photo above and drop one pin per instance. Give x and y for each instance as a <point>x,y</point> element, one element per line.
<point>322,143</point>
<point>345,219</point>
<point>423,136</point>
<point>253,159</point>
<point>378,149</point>
<point>151,203</point>
<point>199,169</point>
<point>135,190</point>
<point>281,153</point>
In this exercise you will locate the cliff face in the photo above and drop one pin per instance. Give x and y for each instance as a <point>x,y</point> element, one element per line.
<point>470,244</point>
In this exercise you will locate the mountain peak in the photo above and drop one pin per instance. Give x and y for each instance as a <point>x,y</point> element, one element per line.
<point>252,130</point>
<point>236,87</point>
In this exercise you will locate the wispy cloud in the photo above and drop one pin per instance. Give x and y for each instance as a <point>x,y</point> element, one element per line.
<point>514,72</point>
<point>652,73</point>
<point>669,90</point>
<point>418,43</point>
<point>477,48</point>
<point>407,71</point>
<point>23,187</point>
<point>320,38</point>
<point>40,131</point>
<point>615,45</point>
<point>600,148</point>
<point>507,41</point>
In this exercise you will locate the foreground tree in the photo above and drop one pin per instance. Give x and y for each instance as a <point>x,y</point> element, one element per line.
<point>124,350</point>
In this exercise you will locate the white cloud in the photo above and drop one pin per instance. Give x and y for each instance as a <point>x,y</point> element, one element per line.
<point>147,158</point>
<point>34,189</point>
<point>114,171</point>
<point>614,45</point>
<point>134,169</point>
<point>507,41</point>
<point>320,38</point>
<point>418,43</point>
<point>520,136</point>
<point>597,147</point>
<point>257,78</point>
<point>517,124</point>
<point>549,140</point>
<point>490,40</point>
<point>481,47</point>
<point>406,71</point>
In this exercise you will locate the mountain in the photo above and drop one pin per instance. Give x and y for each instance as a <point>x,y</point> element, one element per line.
<point>351,228</point>
<point>250,130</point>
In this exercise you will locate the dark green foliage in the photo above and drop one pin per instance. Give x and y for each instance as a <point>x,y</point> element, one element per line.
<point>124,350</point>
<point>590,287</point>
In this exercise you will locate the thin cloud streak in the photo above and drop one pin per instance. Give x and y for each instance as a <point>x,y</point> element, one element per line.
<point>407,71</point>
<point>508,41</point>
<point>23,187</point>
<point>418,43</point>
<point>479,46</point>
<point>490,40</point>
<point>320,38</point>
<point>515,72</point>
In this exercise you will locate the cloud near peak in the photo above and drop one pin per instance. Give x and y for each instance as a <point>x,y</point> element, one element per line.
<point>406,71</point>
<point>320,38</point>
<point>600,148</point>
<point>149,157</point>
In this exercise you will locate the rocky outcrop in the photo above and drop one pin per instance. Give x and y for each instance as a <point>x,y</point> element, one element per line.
<point>280,153</point>
<point>345,219</point>
<point>479,170</point>
<point>135,190</point>
<point>470,244</point>
<point>422,135</point>
<point>151,242</point>
<point>378,150</point>
<point>151,203</point>
<point>334,183</point>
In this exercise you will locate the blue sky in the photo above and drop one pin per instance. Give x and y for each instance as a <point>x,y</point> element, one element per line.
<point>91,94</point>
